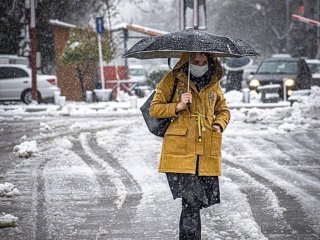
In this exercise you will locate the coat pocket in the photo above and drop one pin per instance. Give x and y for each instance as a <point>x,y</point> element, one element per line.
<point>175,141</point>
<point>216,140</point>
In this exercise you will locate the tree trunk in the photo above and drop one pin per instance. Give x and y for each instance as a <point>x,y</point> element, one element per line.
<point>81,80</point>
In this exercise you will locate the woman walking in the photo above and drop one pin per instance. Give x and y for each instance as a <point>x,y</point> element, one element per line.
<point>191,149</point>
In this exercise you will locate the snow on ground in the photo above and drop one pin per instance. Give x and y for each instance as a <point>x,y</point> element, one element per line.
<point>269,161</point>
<point>137,151</point>
<point>232,218</point>
<point>233,214</point>
<point>306,112</point>
<point>8,190</point>
<point>44,127</point>
<point>67,179</point>
<point>233,96</point>
<point>25,149</point>
<point>7,220</point>
<point>287,127</point>
<point>115,178</point>
<point>306,109</point>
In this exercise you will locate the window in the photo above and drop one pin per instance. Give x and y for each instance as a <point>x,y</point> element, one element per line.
<point>278,67</point>
<point>314,68</point>
<point>136,72</point>
<point>12,72</point>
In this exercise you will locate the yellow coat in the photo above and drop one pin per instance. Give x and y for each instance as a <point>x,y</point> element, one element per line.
<point>191,133</point>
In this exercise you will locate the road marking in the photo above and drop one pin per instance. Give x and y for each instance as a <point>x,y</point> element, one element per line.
<point>115,178</point>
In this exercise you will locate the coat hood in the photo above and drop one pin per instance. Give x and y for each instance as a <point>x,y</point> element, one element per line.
<point>218,68</point>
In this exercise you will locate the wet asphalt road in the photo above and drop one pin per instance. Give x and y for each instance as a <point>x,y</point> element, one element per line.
<point>54,204</point>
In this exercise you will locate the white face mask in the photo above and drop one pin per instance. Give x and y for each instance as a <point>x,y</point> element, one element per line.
<point>198,71</point>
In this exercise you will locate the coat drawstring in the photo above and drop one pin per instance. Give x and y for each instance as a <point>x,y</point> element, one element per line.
<point>201,128</point>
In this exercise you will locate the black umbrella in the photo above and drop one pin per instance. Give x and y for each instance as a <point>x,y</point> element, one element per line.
<point>172,45</point>
<point>238,64</point>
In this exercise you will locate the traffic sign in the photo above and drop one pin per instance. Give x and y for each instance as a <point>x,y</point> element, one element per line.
<point>99,25</point>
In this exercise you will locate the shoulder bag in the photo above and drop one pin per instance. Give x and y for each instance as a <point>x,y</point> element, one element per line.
<point>157,126</point>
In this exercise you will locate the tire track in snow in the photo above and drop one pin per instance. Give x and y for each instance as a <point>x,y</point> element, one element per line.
<point>157,215</point>
<point>255,151</point>
<point>232,219</point>
<point>114,177</point>
<point>124,216</point>
<point>297,149</point>
<point>26,206</point>
<point>299,215</point>
<point>72,193</point>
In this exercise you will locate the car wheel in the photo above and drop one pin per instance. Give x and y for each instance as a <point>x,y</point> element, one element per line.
<point>26,96</point>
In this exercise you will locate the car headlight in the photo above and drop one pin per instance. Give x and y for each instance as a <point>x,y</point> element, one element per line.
<point>289,82</point>
<point>254,83</point>
<point>289,92</point>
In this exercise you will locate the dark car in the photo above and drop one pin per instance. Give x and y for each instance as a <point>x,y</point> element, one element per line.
<point>294,73</point>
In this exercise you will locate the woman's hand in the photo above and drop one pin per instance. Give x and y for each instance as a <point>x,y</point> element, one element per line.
<point>217,127</point>
<point>185,99</point>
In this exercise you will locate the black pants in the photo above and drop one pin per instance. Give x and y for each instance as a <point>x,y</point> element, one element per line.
<point>190,221</point>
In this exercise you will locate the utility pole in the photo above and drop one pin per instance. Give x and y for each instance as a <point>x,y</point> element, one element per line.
<point>196,14</point>
<point>182,16</point>
<point>192,14</point>
<point>33,56</point>
<point>318,29</point>
<point>288,25</point>
<point>126,37</point>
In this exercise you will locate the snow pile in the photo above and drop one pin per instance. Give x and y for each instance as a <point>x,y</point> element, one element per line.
<point>8,190</point>
<point>238,115</point>
<point>307,106</point>
<point>7,220</point>
<point>44,127</point>
<point>255,97</point>
<point>234,96</point>
<point>25,149</point>
<point>254,115</point>
<point>288,127</point>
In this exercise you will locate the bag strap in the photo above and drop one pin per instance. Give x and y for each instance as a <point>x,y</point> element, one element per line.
<point>175,84</point>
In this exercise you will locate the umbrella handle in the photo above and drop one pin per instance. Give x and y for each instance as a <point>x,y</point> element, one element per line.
<point>189,106</point>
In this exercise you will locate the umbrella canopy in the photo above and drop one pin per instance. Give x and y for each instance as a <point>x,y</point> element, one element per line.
<point>172,45</point>
<point>238,64</point>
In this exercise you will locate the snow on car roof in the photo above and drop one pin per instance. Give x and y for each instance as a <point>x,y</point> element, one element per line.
<point>313,61</point>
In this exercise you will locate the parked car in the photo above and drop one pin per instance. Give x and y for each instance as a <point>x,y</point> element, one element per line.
<point>292,72</point>
<point>15,84</point>
<point>314,65</point>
